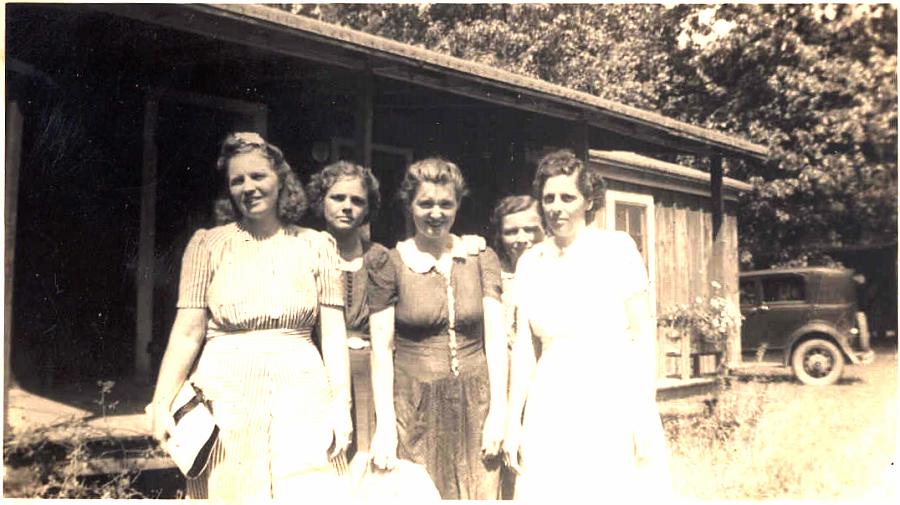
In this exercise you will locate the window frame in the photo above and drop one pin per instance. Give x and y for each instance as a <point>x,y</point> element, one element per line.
<point>781,277</point>
<point>647,202</point>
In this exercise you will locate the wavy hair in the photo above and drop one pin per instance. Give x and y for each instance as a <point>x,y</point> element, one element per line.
<point>588,180</point>
<point>291,197</point>
<point>323,180</point>
<point>435,171</point>
<point>506,206</point>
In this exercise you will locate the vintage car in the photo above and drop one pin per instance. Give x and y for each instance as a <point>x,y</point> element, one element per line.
<point>805,318</point>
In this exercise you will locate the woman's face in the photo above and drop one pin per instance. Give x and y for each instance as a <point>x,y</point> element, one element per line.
<point>346,204</point>
<point>434,209</point>
<point>253,184</point>
<point>519,231</point>
<point>565,208</point>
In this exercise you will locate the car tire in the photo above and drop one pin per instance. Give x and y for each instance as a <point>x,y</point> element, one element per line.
<point>817,362</point>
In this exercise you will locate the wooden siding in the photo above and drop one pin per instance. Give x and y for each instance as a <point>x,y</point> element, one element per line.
<point>684,245</point>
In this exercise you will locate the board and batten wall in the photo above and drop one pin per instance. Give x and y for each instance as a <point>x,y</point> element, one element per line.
<point>683,240</point>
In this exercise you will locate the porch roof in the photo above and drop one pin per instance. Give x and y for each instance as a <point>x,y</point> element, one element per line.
<point>280,31</point>
<point>634,168</point>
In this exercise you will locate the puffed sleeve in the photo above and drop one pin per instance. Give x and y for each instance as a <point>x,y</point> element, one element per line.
<point>491,284</point>
<point>329,288</point>
<point>520,284</point>
<point>196,273</point>
<point>381,288</point>
<point>631,270</point>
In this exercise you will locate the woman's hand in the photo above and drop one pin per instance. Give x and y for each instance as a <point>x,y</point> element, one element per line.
<point>383,448</point>
<point>512,456</point>
<point>343,432</point>
<point>492,434</point>
<point>161,422</point>
<point>474,244</point>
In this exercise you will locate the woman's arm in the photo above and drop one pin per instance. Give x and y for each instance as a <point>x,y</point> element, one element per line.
<point>522,370</point>
<point>384,441</point>
<point>495,344</point>
<point>642,330</point>
<point>185,341</point>
<point>337,364</point>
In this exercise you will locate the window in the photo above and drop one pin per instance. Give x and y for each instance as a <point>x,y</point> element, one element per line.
<point>633,213</point>
<point>748,293</point>
<point>631,218</point>
<point>784,289</point>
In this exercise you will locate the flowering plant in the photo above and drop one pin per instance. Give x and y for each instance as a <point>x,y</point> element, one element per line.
<point>711,320</point>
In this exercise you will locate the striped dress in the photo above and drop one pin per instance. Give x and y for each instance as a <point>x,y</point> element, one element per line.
<point>265,379</point>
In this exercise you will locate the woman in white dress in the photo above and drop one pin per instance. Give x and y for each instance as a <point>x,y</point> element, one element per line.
<point>590,424</point>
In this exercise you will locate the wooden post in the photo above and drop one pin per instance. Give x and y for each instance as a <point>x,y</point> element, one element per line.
<point>717,267</point>
<point>363,120</point>
<point>581,141</point>
<point>717,203</point>
<point>146,244</point>
<point>684,365</point>
<point>11,196</point>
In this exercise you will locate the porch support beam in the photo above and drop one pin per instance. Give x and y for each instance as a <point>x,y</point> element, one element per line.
<point>146,244</point>
<point>581,140</point>
<point>364,119</point>
<point>14,122</point>
<point>717,267</point>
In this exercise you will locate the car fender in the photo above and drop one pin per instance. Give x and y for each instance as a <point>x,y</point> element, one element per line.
<point>821,328</point>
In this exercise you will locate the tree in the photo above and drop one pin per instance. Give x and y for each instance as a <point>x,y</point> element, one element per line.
<point>815,83</point>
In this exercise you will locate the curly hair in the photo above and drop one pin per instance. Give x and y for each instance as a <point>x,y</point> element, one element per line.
<point>588,180</point>
<point>433,170</point>
<point>291,198</point>
<point>506,206</point>
<point>323,180</point>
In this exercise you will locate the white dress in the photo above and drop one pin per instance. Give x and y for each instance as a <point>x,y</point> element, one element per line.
<point>588,400</point>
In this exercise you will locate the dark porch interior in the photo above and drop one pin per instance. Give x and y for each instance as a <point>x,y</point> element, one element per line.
<point>82,79</point>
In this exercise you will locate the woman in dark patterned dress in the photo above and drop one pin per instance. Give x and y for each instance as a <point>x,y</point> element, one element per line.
<point>439,368</point>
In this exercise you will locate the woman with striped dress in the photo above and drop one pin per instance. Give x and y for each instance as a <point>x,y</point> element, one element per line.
<point>250,293</point>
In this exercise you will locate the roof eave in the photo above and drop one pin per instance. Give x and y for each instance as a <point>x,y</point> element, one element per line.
<point>714,141</point>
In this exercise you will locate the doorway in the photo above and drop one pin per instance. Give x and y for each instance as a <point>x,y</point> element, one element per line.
<point>181,185</point>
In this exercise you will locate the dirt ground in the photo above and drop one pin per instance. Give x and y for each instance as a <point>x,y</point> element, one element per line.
<point>774,438</point>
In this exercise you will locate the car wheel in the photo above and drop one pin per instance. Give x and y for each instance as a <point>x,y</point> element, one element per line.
<point>817,362</point>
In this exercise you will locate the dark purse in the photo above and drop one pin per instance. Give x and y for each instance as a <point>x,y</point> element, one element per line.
<point>190,443</point>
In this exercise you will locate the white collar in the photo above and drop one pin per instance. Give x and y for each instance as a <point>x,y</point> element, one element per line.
<point>349,266</point>
<point>422,262</point>
<point>549,247</point>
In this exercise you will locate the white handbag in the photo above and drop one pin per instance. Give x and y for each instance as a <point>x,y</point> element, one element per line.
<point>191,441</point>
<point>407,482</point>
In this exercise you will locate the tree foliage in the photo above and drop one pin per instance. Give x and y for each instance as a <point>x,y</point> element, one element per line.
<point>817,84</point>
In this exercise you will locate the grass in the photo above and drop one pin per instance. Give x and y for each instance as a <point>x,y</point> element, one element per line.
<point>36,467</point>
<point>769,437</point>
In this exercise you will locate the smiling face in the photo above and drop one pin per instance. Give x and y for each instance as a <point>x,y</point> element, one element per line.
<point>564,206</point>
<point>346,204</point>
<point>519,231</point>
<point>434,210</point>
<point>253,185</point>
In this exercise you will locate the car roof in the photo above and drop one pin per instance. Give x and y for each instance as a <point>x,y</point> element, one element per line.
<point>828,271</point>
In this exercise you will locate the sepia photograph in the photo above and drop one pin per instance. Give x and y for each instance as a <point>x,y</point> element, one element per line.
<point>543,252</point>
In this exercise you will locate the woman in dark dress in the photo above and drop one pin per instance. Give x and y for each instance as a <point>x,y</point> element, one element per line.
<point>345,196</point>
<point>439,367</point>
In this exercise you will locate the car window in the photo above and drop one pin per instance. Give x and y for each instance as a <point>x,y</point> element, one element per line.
<point>748,293</point>
<point>789,288</point>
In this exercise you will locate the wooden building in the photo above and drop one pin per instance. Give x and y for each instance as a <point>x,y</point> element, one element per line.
<point>114,114</point>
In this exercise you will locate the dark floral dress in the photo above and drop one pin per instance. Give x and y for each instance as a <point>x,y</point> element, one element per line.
<point>441,385</point>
